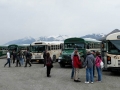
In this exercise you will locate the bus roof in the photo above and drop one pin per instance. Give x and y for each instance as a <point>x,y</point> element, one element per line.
<point>76,39</point>
<point>113,36</point>
<point>47,42</point>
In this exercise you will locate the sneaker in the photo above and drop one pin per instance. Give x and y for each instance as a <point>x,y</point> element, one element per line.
<point>92,82</point>
<point>86,82</point>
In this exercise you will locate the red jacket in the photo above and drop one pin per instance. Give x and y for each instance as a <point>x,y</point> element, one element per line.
<point>76,61</point>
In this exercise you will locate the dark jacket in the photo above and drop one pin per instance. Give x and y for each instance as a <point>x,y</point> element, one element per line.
<point>90,61</point>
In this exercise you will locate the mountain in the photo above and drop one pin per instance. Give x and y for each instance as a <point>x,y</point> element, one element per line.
<point>25,40</point>
<point>29,40</point>
<point>114,31</point>
<point>94,36</point>
<point>53,38</point>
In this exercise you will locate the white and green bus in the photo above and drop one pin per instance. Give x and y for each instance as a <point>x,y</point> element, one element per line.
<point>82,44</point>
<point>38,48</point>
<point>3,50</point>
<point>110,51</point>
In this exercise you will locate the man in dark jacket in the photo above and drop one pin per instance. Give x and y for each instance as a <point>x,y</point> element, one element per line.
<point>28,58</point>
<point>45,56</point>
<point>89,62</point>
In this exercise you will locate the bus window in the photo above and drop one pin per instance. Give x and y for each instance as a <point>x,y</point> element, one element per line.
<point>88,46</point>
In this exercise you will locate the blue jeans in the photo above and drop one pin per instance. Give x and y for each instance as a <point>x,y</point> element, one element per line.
<point>72,73</point>
<point>99,73</point>
<point>89,74</point>
<point>8,62</point>
<point>21,61</point>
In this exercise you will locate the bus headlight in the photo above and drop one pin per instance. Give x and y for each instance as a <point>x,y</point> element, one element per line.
<point>60,58</point>
<point>108,60</point>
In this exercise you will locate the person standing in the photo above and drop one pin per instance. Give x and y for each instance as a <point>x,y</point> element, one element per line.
<point>76,65</point>
<point>72,73</point>
<point>18,60</point>
<point>45,56</point>
<point>48,64</point>
<point>14,56</point>
<point>97,64</point>
<point>8,59</point>
<point>28,58</point>
<point>21,57</point>
<point>93,53</point>
<point>89,62</point>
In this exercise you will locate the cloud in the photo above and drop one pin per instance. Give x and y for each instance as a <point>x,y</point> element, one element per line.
<point>20,18</point>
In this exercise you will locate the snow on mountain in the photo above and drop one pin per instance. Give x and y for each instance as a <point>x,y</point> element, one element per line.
<point>94,36</point>
<point>27,38</point>
<point>52,38</point>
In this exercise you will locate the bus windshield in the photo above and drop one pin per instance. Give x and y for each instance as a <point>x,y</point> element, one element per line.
<point>114,47</point>
<point>74,45</point>
<point>38,49</point>
<point>12,47</point>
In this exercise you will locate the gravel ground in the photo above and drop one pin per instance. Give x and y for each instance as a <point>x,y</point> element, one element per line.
<point>34,78</point>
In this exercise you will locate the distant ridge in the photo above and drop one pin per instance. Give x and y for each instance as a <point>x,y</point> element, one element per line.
<point>114,31</point>
<point>29,40</point>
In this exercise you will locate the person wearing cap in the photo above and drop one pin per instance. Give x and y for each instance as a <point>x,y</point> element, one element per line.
<point>89,62</point>
<point>8,58</point>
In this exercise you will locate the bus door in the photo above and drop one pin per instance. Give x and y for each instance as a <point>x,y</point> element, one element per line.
<point>103,53</point>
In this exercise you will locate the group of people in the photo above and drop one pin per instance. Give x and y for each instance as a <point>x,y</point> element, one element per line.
<point>18,57</point>
<point>92,61</point>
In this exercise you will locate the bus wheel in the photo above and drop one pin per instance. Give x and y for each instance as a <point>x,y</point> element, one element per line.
<point>62,65</point>
<point>54,58</point>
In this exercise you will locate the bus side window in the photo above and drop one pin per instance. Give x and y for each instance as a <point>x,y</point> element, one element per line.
<point>88,46</point>
<point>48,48</point>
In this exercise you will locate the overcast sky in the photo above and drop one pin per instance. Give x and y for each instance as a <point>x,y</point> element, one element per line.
<point>35,18</point>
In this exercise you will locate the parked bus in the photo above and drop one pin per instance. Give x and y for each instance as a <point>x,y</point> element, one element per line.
<point>110,51</point>
<point>82,44</point>
<point>18,47</point>
<point>3,50</point>
<point>38,48</point>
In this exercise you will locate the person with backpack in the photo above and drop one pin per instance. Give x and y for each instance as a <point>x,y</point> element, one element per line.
<point>28,58</point>
<point>97,64</point>
<point>48,64</point>
<point>89,62</point>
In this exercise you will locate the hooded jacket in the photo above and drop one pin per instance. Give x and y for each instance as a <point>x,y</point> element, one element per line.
<point>90,61</point>
<point>76,61</point>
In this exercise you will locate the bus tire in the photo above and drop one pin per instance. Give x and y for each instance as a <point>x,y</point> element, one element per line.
<point>54,58</point>
<point>62,65</point>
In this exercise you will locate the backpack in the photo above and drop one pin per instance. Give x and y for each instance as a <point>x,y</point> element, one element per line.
<point>101,64</point>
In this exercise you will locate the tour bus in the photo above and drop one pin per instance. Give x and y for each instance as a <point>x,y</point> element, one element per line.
<point>3,50</point>
<point>82,44</point>
<point>18,47</point>
<point>110,51</point>
<point>38,48</point>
